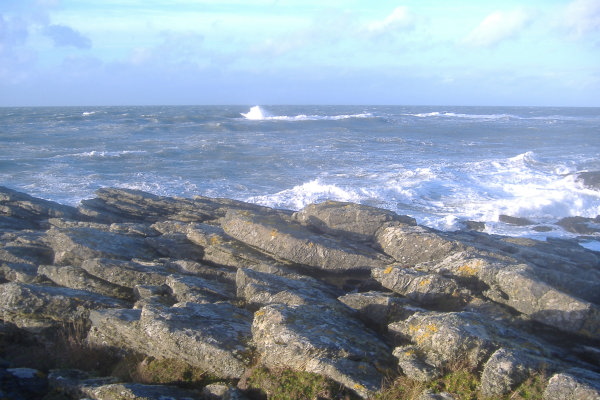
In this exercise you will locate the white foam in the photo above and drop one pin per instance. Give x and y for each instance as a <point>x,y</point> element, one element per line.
<point>259,114</point>
<point>444,114</point>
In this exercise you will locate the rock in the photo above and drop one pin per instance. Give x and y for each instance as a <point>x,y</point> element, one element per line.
<point>508,368</point>
<point>222,249</point>
<point>21,206</point>
<point>74,246</point>
<point>260,289</point>
<point>591,179</point>
<point>411,245</point>
<point>474,225</point>
<point>137,391</point>
<point>79,278</point>
<point>294,242</point>
<point>378,309</point>
<point>219,391</point>
<point>222,274</point>
<point>199,290</point>
<point>413,365</point>
<point>422,288</point>
<point>213,337</point>
<point>580,225</point>
<point>518,221</point>
<point>315,338</point>
<point>127,273</point>
<point>428,394</point>
<point>355,221</point>
<point>22,383</point>
<point>74,383</point>
<point>176,245</point>
<point>34,307</point>
<point>573,384</point>
<point>449,338</point>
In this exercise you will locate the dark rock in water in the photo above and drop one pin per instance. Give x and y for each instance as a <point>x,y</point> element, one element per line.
<point>474,225</point>
<point>518,221</point>
<point>580,225</point>
<point>590,179</point>
<point>542,228</point>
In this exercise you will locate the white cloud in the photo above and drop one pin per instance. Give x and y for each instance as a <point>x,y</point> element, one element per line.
<point>400,18</point>
<point>496,27</point>
<point>66,36</point>
<point>583,16</point>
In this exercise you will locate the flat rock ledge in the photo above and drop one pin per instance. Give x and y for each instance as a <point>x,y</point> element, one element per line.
<point>354,293</point>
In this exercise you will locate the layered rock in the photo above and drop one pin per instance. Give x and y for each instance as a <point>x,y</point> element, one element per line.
<point>347,291</point>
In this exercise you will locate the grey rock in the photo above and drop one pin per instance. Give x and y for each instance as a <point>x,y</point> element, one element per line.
<point>222,274</point>
<point>127,273</point>
<point>259,289</point>
<point>379,308</point>
<point>355,221</point>
<point>508,368</point>
<point>175,245</point>
<point>580,225</point>
<point>79,278</point>
<point>17,205</point>
<point>213,337</point>
<point>296,243</point>
<point>137,391</point>
<point>318,339</point>
<point>73,246</point>
<point>518,221</point>
<point>35,307</point>
<point>573,384</point>
<point>413,365</point>
<point>420,287</point>
<point>428,394</point>
<point>75,383</point>
<point>411,245</point>
<point>196,289</point>
<point>220,391</point>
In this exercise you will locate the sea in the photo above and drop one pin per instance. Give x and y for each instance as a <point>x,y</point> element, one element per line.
<point>441,165</point>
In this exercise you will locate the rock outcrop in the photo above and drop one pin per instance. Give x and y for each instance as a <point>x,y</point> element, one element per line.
<point>347,291</point>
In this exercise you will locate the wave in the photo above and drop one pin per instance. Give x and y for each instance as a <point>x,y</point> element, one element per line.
<point>107,154</point>
<point>444,114</point>
<point>257,113</point>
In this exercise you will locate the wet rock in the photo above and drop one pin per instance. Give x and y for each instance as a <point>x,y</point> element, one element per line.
<point>294,242</point>
<point>573,384</point>
<point>317,339</point>
<point>213,337</point>
<point>35,307</point>
<point>580,225</point>
<point>518,221</point>
<point>355,221</point>
<point>74,246</point>
<point>590,179</point>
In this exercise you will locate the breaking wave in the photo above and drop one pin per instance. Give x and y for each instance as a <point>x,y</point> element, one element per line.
<point>257,113</point>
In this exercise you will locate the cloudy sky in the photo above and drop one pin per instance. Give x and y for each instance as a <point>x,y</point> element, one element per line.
<point>438,52</point>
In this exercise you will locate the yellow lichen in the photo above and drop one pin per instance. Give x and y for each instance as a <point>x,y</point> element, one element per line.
<point>425,282</point>
<point>274,233</point>
<point>470,268</point>
<point>388,270</point>
<point>358,386</point>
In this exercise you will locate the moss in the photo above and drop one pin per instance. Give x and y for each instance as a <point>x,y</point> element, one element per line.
<point>293,385</point>
<point>170,372</point>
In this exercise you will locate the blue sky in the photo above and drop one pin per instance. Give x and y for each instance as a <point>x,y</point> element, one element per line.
<point>438,52</point>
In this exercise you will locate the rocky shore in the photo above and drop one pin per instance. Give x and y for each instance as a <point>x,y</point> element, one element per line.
<point>353,293</point>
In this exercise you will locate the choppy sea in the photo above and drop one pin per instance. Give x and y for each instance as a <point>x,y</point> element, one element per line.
<point>441,165</point>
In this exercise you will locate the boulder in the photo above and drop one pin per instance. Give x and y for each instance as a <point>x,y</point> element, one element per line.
<point>518,221</point>
<point>213,337</point>
<point>137,391</point>
<point>79,278</point>
<point>315,338</point>
<point>410,245</point>
<point>30,211</point>
<point>259,289</point>
<point>74,246</point>
<point>573,384</point>
<point>196,289</point>
<point>36,307</point>
<point>580,225</point>
<point>294,242</point>
<point>412,364</point>
<point>422,288</point>
<point>378,309</point>
<point>127,273</point>
<point>355,221</point>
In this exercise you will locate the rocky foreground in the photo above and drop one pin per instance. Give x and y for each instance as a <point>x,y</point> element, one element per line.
<point>351,292</point>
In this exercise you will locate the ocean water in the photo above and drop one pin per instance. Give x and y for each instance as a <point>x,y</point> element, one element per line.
<point>441,165</point>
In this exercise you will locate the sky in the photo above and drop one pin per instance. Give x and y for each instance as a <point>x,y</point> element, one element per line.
<point>193,52</point>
